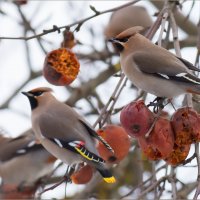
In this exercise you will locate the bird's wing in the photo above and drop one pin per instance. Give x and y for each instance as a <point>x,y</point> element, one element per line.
<point>93,133</point>
<point>68,125</point>
<point>18,146</point>
<point>189,65</point>
<point>165,66</point>
<point>61,125</point>
<point>68,133</point>
<point>78,147</point>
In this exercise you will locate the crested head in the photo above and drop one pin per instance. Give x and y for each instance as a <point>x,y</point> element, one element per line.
<point>121,39</point>
<point>130,32</point>
<point>40,90</point>
<point>36,95</point>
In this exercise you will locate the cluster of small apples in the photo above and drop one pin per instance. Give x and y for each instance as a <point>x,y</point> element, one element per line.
<point>61,66</point>
<point>118,139</point>
<point>159,137</point>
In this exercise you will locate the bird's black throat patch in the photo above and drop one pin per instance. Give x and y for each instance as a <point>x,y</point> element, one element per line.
<point>33,102</point>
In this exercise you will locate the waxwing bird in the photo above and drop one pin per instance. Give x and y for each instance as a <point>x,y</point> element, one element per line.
<point>64,133</point>
<point>125,18</point>
<point>11,147</point>
<point>22,163</point>
<point>153,68</point>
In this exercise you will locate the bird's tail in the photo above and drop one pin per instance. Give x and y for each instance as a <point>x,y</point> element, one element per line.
<point>107,175</point>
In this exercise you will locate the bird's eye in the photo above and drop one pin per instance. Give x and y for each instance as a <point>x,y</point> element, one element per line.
<point>123,39</point>
<point>39,93</point>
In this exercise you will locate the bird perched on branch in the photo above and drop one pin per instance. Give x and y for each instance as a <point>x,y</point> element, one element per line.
<point>64,133</point>
<point>22,163</point>
<point>153,68</point>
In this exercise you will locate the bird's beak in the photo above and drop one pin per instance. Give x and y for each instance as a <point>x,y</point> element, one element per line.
<point>113,40</point>
<point>27,94</point>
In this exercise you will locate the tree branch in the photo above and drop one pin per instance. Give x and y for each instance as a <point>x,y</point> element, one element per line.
<point>185,24</point>
<point>79,23</point>
<point>88,87</point>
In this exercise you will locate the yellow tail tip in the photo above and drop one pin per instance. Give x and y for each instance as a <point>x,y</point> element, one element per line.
<point>110,179</point>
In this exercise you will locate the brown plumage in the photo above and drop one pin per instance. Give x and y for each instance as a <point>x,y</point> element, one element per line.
<point>153,68</point>
<point>63,132</point>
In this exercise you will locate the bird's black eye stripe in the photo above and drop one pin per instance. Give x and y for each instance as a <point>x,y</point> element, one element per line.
<point>123,39</point>
<point>37,93</point>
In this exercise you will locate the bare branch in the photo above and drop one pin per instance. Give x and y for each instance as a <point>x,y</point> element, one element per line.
<point>198,176</point>
<point>79,23</point>
<point>189,27</point>
<point>89,87</point>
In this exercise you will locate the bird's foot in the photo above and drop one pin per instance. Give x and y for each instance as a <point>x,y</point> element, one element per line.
<point>157,104</point>
<point>69,171</point>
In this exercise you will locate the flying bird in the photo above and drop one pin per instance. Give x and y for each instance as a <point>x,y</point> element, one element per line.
<point>64,133</point>
<point>153,68</point>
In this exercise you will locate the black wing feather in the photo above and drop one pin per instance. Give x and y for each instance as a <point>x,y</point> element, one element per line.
<point>189,65</point>
<point>98,137</point>
<point>187,78</point>
<point>82,150</point>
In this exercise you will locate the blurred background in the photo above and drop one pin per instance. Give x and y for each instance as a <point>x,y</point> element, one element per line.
<point>21,65</point>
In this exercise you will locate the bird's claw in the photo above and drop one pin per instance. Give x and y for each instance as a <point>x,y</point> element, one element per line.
<point>157,104</point>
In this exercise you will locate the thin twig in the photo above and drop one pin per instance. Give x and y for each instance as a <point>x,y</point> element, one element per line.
<point>79,23</point>
<point>164,183</point>
<point>151,187</point>
<point>151,32</point>
<point>175,34</point>
<point>154,179</point>
<point>17,90</point>
<point>164,20</point>
<point>27,26</point>
<point>54,186</point>
<point>112,98</point>
<point>7,101</point>
<point>198,176</point>
<point>66,178</point>
<point>144,182</point>
<point>189,41</point>
<point>189,159</point>
<point>172,180</point>
<point>185,190</point>
<point>109,112</point>
<point>187,26</point>
<point>87,88</point>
